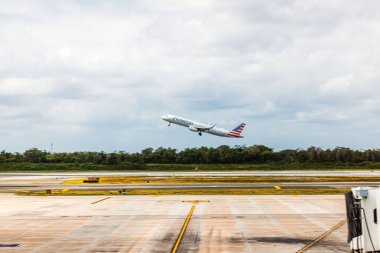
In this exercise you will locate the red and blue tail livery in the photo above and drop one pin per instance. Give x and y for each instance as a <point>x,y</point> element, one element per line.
<point>200,128</point>
<point>237,131</point>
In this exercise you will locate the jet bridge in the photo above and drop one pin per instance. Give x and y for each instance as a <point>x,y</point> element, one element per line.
<point>362,207</point>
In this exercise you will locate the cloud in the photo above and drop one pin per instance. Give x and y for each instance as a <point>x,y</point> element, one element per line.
<point>338,85</point>
<point>19,86</point>
<point>98,76</point>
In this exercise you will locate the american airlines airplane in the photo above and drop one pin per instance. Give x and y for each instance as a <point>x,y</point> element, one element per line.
<point>201,127</point>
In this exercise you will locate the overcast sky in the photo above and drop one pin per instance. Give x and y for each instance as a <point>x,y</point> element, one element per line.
<point>98,75</point>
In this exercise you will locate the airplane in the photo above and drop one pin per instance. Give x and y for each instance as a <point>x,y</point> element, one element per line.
<point>204,128</point>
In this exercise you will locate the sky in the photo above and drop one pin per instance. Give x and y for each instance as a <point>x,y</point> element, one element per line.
<point>98,75</point>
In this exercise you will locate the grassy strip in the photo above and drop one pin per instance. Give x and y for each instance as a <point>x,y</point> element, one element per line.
<point>225,179</point>
<point>265,166</point>
<point>300,191</point>
<point>73,167</point>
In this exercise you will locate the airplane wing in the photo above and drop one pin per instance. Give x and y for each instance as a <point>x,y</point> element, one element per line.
<point>203,128</point>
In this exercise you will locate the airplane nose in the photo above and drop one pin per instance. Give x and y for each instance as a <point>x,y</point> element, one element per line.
<point>164,117</point>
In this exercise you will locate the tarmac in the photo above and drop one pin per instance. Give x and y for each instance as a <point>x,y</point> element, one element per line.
<point>227,223</point>
<point>13,182</point>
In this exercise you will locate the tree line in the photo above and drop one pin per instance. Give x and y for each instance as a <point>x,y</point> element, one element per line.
<point>256,154</point>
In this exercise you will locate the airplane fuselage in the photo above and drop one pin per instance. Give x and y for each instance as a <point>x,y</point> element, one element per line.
<point>198,126</point>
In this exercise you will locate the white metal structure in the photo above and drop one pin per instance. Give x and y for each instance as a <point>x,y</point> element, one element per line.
<point>367,203</point>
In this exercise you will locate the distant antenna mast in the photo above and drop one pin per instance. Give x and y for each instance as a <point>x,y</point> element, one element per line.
<point>51,148</point>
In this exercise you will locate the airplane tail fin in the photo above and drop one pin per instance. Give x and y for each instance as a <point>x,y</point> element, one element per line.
<point>237,131</point>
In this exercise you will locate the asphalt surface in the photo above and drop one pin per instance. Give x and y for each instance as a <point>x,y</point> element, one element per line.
<point>11,182</point>
<point>14,188</point>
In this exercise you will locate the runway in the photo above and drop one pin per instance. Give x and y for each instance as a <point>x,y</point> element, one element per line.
<point>15,188</point>
<point>12,182</point>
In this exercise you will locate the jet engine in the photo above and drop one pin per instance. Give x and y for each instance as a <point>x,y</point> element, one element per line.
<point>191,128</point>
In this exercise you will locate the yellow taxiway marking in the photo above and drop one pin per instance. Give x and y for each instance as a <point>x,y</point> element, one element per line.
<point>277,187</point>
<point>100,200</point>
<point>176,245</point>
<point>306,247</point>
<point>37,181</point>
<point>195,201</point>
<point>22,191</point>
<point>65,190</point>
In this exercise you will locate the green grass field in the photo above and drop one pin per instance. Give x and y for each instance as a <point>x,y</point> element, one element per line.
<point>78,167</point>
